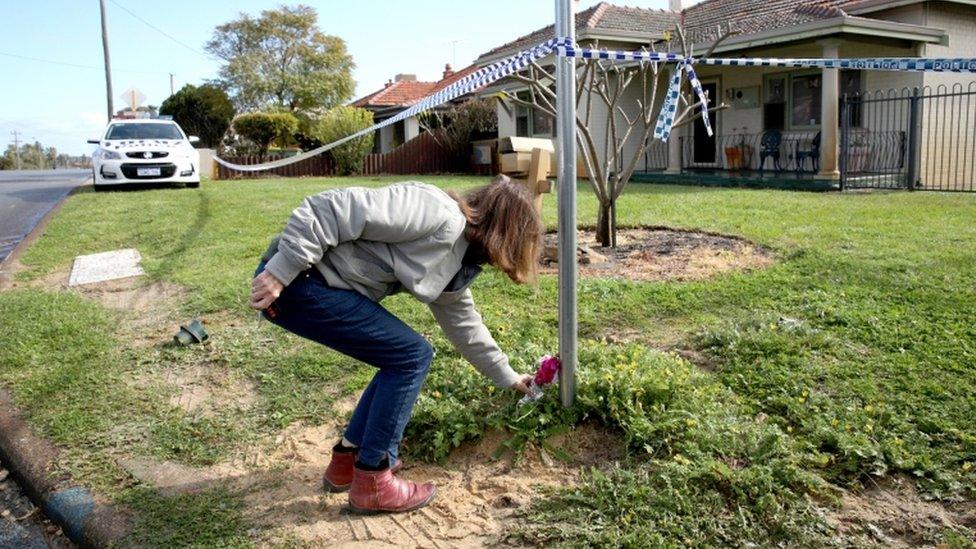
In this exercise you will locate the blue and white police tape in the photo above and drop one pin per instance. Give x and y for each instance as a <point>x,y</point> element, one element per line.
<point>666,119</point>
<point>476,80</point>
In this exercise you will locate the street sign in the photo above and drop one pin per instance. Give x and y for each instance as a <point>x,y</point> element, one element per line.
<point>133,98</point>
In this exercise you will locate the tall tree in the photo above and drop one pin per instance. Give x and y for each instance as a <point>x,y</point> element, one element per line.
<point>282,60</point>
<point>204,111</point>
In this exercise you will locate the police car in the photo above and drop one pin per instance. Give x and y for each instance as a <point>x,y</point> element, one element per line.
<point>145,150</point>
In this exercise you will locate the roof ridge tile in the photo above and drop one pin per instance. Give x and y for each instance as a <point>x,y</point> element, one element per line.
<point>594,19</point>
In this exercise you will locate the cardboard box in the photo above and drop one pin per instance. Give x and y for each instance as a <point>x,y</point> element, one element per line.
<point>518,162</point>
<point>524,144</point>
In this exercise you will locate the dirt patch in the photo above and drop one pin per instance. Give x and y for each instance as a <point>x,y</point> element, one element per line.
<point>891,512</point>
<point>209,389</point>
<point>477,496</point>
<point>647,254</point>
<point>149,317</point>
<point>476,501</point>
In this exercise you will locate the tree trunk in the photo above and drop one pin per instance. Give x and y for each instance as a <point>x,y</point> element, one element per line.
<point>603,225</point>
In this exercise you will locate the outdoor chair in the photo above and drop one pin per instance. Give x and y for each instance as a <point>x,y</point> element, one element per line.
<point>813,153</point>
<point>771,141</point>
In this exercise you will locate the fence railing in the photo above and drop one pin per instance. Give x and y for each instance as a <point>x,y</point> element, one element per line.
<point>656,156</point>
<point>421,155</point>
<point>772,151</point>
<point>920,138</point>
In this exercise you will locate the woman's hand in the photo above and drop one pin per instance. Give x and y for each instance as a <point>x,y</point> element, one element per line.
<point>265,289</point>
<point>522,385</point>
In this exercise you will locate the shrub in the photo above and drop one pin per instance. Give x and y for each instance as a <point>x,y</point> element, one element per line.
<point>341,122</point>
<point>204,111</point>
<point>263,128</point>
<point>455,128</point>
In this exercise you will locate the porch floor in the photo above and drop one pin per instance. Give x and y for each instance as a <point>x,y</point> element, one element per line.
<point>802,181</point>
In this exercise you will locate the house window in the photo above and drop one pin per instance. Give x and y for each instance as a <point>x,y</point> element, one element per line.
<point>541,123</point>
<point>795,101</point>
<point>531,122</point>
<point>522,121</point>
<point>806,98</point>
<point>399,134</point>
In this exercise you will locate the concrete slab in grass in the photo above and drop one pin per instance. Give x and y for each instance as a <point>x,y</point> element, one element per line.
<point>89,269</point>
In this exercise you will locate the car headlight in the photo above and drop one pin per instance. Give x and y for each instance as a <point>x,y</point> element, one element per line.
<point>109,155</point>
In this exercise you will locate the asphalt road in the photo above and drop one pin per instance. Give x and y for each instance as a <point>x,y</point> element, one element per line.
<point>25,196</point>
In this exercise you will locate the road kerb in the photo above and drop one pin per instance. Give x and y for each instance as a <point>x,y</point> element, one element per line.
<point>32,459</point>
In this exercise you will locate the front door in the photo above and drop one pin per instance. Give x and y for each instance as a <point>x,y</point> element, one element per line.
<point>705,145</point>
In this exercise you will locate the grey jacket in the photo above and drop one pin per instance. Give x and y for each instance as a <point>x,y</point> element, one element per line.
<point>405,237</point>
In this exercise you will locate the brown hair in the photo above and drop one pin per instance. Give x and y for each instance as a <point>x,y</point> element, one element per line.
<point>502,219</point>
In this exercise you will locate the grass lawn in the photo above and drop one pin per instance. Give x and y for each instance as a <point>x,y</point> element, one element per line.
<point>851,360</point>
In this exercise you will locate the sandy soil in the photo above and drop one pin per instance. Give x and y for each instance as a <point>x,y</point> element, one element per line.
<point>891,513</point>
<point>665,254</point>
<point>476,502</point>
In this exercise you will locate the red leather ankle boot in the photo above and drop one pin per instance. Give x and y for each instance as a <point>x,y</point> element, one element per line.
<point>383,492</point>
<point>338,475</point>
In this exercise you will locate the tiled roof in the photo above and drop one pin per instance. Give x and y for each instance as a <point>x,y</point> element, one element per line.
<point>454,77</point>
<point>406,93</point>
<point>402,93</point>
<point>751,16</point>
<point>700,20</point>
<point>601,17</point>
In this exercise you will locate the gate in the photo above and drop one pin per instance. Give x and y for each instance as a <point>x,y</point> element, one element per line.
<point>916,139</point>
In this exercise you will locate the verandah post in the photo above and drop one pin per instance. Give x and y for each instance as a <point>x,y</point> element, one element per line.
<point>566,189</point>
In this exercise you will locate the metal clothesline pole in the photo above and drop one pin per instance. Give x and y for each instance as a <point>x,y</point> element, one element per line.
<point>566,194</point>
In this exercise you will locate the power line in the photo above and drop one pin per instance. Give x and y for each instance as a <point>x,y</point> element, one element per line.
<point>67,64</point>
<point>161,31</point>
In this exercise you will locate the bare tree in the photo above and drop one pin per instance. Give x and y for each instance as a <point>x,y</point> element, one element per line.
<point>629,123</point>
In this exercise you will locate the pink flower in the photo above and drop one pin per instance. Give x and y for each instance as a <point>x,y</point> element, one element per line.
<point>548,366</point>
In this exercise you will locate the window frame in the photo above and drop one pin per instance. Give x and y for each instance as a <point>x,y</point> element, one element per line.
<point>530,114</point>
<point>788,77</point>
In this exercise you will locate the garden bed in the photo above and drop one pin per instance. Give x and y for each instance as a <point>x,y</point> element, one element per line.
<point>660,253</point>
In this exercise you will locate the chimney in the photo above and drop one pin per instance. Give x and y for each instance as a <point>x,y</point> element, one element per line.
<point>388,84</point>
<point>448,72</point>
<point>679,5</point>
<point>405,78</point>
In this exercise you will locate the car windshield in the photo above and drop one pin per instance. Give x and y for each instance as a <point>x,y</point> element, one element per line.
<point>143,131</point>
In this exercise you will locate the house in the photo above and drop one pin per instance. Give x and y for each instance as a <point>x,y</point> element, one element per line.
<point>800,108</point>
<point>400,93</point>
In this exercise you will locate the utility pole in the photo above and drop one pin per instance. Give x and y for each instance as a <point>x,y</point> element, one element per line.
<point>108,62</point>
<point>566,184</point>
<point>16,135</point>
<point>171,89</point>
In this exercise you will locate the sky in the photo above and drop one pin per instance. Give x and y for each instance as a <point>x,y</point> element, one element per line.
<point>53,81</point>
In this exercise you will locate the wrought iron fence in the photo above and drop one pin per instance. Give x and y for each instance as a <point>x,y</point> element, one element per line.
<point>656,156</point>
<point>772,151</point>
<point>917,139</point>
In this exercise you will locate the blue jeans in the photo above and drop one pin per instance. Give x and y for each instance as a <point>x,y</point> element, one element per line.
<point>354,325</point>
